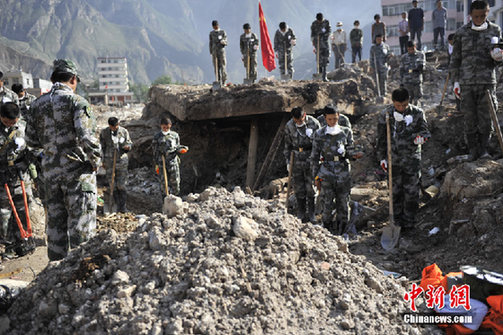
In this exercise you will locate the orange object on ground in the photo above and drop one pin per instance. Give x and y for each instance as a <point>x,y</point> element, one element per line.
<point>494,318</point>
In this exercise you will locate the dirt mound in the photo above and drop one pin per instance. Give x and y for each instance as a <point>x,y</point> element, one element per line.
<point>231,263</point>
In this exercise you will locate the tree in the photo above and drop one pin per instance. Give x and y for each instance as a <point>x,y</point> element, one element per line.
<point>140,91</point>
<point>162,80</point>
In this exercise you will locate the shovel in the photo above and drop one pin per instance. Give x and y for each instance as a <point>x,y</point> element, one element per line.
<point>247,80</point>
<point>216,83</point>
<point>391,233</point>
<point>440,108</point>
<point>165,174</point>
<point>289,184</point>
<point>285,76</point>
<point>318,75</point>
<point>494,117</point>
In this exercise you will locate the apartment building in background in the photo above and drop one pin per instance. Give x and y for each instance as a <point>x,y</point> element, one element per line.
<point>113,82</point>
<point>457,15</point>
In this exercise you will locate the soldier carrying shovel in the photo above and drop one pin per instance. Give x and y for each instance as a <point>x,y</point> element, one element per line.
<point>115,144</point>
<point>167,148</point>
<point>248,43</point>
<point>284,40</point>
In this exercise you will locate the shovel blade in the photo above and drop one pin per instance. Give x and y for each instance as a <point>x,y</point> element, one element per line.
<point>247,81</point>
<point>216,86</point>
<point>317,76</point>
<point>285,77</point>
<point>390,236</point>
<point>379,100</point>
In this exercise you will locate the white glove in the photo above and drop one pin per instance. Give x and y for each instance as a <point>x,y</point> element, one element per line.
<point>398,116</point>
<point>457,90</point>
<point>255,47</point>
<point>288,167</point>
<point>122,139</point>
<point>384,165</point>
<point>341,149</point>
<point>309,132</point>
<point>497,54</point>
<point>242,57</point>
<point>408,119</point>
<point>223,42</point>
<point>20,142</point>
<point>314,50</point>
<point>419,140</point>
<point>294,42</point>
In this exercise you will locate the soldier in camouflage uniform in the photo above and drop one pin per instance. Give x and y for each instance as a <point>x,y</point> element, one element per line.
<point>248,43</point>
<point>320,32</point>
<point>284,40</point>
<point>63,125</point>
<point>25,98</point>
<point>330,169</point>
<point>167,143</point>
<point>380,53</point>
<point>218,42</point>
<point>13,165</point>
<point>411,72</point>
<point>408,132</point>
<point>299,132</point>
<point>115,139</point>
<point>6,95</point>
<point>472,69</point>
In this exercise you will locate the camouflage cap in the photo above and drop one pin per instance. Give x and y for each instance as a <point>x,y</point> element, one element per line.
<point>65,66</point>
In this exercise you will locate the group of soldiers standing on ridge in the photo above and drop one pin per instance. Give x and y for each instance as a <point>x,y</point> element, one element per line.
<point>57,134</point>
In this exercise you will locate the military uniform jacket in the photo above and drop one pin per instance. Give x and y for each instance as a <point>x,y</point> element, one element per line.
<point>247,44</point>
<point>282,41</point>
<point>218,40</point>
<point>110,143</point>
<point>25,102</point>
<point>321,29</point>
<point>166,145</point>
<point>411,67</point>
<point>326,150</point>
<point>382,53</point>
<point>356,37</point>
<point>13,153</point>
<point>471,61</point>
<point>404,152</point>
<point>63,125</point>
<point>7,95</point>
<point>300,139</point>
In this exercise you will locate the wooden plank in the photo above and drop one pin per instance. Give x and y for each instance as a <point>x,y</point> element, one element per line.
<point>252,153</point>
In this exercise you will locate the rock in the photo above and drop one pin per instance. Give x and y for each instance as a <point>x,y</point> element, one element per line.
<point>173,205</point>
<point>120,277</point>
<point>245,228</point>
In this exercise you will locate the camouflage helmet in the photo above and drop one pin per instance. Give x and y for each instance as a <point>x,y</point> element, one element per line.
<point>65,66</point>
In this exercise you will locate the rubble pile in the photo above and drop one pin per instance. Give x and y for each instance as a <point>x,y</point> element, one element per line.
<point>230,263</point>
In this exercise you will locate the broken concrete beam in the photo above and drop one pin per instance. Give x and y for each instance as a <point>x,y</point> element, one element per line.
<point>200,103</point>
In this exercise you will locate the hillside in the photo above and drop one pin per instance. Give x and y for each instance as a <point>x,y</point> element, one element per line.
<point>157,36</point>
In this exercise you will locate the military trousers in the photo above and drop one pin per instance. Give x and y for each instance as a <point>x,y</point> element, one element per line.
<point>405,195</point>
<point>475,108</point>
<point>281,62</point>
<point>120,182</point>
<point>339,51</point>
<point>219,61</point>
<point>173,173</point>
<point>324,58</point>
<point>335,185</point>
<point>415,92</point>
<point>250,64</point>
<point>71,210</point>
<point>302,181</point>
<point>383,77</point>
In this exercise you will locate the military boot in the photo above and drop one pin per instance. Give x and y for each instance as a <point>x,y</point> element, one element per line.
<point>311,210</point>
<point>301,209</point>
<point>484,143</point>
<point>324,77</point>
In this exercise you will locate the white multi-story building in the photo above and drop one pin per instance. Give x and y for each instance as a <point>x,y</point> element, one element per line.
<point>18,77</point>
<point>457,15</point>
<point>113,80</point>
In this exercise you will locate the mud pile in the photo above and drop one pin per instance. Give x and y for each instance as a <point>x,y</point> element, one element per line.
<point>231,263</point>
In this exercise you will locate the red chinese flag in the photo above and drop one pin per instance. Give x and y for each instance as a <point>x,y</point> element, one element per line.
<point>265,42</point>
